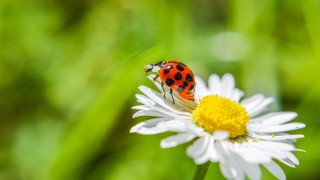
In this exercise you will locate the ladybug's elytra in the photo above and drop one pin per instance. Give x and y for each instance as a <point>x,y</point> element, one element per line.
<point>176,75</point>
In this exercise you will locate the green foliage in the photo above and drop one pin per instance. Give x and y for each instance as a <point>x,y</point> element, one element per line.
<point>70,69</point>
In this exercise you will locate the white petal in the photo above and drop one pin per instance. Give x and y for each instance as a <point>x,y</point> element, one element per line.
<point>209,153</point>
<point>252,170</point>
<point>287,162</point>
<point>251,102</point>
<point>220,135</point>
<point>181,114</point>
<point>159,99</point>
<point>175,140</point>
<point>159,125</point>
<point>192,128</point>
<point>275,138</point>
<point>136,127</point>
<point>198,147</point>
<point>292,157</point>
<point>278,128</point>
<point>256,104</point>
<point>180,125</point>
<point>227,85</point>
<point>236,95</point>
<point>251,154</point>
<point>159,128</point>
<point>148,123</point>
<point>214,157</point>
<point>214,84</point>
<point>240,175</point>
<point>202,159</point>
<point>301,150</point>
<point>149,112</point>
<point>275,169</point>
<point>238,166</point>
<point>274,118</point>
<point>144,99</point>
<point>223,151</point>
<point>228,171</point>
<point>261,107</point>
<point>288,141</point>
<point>201,89</point>
<point>140,107</point>
<point>153,130</point>
<point>275,145</point>
<point>270,151</point>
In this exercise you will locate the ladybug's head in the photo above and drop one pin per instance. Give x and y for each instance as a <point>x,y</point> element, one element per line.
<point>154,67</point>
<point>148,68</point>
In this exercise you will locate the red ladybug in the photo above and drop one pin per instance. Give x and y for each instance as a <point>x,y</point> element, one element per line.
<point>176,75</point>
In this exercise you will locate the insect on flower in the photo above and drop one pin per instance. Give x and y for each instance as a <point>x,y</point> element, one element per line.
<point>175,75</point>
<point>235,133</point>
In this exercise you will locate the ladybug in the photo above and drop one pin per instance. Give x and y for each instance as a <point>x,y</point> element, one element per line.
<point>175,75</point>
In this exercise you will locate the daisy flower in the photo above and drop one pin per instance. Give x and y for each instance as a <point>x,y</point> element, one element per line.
<point>225,129</point>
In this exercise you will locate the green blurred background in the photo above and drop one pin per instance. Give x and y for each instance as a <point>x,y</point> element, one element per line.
<point>70,70</point>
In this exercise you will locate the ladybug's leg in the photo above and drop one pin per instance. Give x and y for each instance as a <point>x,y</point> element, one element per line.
<point>171,95</point>
<point>155,79</point>
<point>164,91</point>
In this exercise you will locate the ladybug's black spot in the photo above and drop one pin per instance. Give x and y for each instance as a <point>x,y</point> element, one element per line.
<point>167,70</point>
<point>178,76</point>
<point>169,82</point>
<point>180,68</point>
<point>169,67</point>
<point>180,88</point>
<point>189,78</point>
<point>185,84</point>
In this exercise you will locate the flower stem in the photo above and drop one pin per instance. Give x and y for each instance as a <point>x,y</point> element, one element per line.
<point>201,171</point>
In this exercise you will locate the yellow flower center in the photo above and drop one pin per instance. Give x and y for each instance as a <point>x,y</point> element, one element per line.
<point>219,113</point>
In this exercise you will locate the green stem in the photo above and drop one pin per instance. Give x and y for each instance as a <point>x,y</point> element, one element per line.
<point>201,171</point>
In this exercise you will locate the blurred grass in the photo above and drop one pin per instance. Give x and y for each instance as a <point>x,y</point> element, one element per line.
<point>70,69</point>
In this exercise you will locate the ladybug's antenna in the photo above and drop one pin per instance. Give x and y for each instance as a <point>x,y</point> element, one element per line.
<point>142,63</point>
<point>145,68</point>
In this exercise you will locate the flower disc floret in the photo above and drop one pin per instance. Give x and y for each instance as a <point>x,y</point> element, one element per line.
<point>219,113</point>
